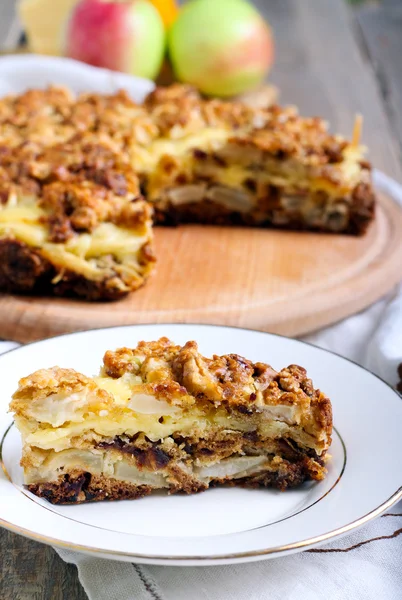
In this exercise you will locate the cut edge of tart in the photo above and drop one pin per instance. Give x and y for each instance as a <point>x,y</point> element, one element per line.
<point>72,221</point>
<point>162,416</point>
<point>228,163</point>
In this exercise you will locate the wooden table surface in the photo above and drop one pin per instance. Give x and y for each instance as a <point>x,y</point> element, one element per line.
<point>331,60</point>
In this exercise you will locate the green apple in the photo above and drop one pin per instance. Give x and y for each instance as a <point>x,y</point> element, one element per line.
<point>223,47</point>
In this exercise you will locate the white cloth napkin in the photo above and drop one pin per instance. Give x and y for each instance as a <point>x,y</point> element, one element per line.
<point>366,565</point>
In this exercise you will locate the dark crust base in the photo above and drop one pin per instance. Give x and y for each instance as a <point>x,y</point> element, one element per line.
<point>85,487</point>
<point>24,271</point>
<point>361,214</point>
<point>208,213</point>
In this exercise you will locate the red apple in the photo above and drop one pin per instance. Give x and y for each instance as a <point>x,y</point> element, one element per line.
<point>122,36</point>
<point>223,47</point>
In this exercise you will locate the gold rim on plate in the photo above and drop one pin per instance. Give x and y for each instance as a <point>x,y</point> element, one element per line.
<point>397,495</point>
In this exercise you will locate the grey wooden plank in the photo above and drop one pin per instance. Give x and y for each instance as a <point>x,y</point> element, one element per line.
<point>388,3</point>
<point>10,28</point>
<point>322,67</point>
<point>381,29</point>
<point>32,571</point>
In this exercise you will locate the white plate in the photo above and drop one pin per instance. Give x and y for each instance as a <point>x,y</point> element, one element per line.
<point>220,525</point>
<point>24,71</point>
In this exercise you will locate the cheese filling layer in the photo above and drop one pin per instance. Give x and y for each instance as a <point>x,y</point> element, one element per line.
<point>61,418</point>
<point>82,252</point>
<point>239,167</point>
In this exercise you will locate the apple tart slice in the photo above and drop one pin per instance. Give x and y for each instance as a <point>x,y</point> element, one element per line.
<point>162,416</point>
<point>229,163</point>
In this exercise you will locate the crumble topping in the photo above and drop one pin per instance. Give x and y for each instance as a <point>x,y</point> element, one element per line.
<point>51,116</point>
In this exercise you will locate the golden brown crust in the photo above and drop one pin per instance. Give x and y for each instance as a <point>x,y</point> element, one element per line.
<point>231,381</point>
<point>57,383</point>
<point>37,116</point>
<point>169,113</point>
<point>286,134</point>
<point>45,382</point>
<point>80,183</point>
<point>52,381</point>
<point>126,360</point>
<point>278,131</point>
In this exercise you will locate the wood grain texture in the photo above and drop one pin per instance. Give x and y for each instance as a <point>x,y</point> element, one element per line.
<point>381,29</point>
<point>32,571</point>
<point>323,66</point>
<point>283,282</point>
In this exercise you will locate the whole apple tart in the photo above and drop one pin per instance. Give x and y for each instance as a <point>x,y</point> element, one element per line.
<point>81,178</point>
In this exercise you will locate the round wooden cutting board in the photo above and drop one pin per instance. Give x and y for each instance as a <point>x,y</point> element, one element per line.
<point>277,281</point>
